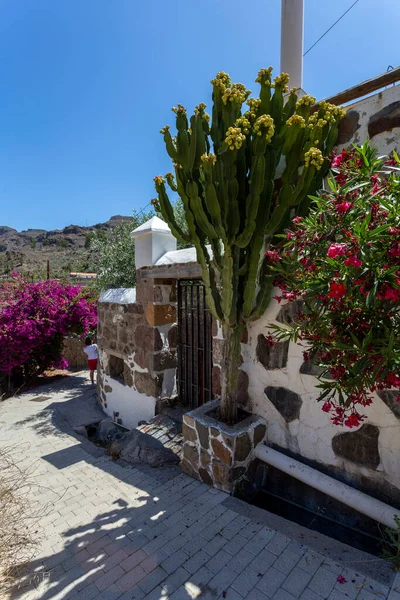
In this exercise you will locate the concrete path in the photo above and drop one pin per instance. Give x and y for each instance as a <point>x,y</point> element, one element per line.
<point>110,531</point>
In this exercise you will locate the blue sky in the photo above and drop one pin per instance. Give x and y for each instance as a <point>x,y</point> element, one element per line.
<point>86,85</point>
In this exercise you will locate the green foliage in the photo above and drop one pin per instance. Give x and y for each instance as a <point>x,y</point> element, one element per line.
<point>231,196</point>
<point>33,243</point>
<point>116,266</point>
<point>61,243</point>
<point>391,539</point>
<point>88,239</point>
<point>343,262</point>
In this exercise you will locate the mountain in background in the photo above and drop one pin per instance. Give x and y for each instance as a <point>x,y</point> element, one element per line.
<point>67,250</point>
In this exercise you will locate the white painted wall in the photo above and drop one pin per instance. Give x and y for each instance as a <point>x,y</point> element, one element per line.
<point>132,406</point>
<point>384,142</point>
<point>311,435</point>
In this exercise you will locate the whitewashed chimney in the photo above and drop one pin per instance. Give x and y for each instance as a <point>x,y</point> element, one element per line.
<point>153,239</point>
<point>292,33</point>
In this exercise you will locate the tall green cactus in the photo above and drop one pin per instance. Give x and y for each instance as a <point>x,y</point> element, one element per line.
<point>263,165</point>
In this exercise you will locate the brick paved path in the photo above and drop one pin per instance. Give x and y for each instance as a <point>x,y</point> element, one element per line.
<point>114,532</point>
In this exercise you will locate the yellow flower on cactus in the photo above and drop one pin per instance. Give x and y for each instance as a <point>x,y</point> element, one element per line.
<point>314,157</point>
<point>282,81</point>
<point>179,109</point>
<point>221,80</point>
<point>164,129</point>
<point>264,76</point>
<point>306,100</point>
<point>234,138</point>
<point>211,158</point>
<point>159,180</point>
<point>264,125</point>
<point>236,93</point>
<point>296,120</point>
<point>244,124</point>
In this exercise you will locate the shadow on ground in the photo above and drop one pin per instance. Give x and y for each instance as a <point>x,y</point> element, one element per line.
<point>132,550</point>
<point>78,406</point>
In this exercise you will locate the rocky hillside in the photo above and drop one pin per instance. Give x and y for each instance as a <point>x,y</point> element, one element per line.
<point>67,249</point>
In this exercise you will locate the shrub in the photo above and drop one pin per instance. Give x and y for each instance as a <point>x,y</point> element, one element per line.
<point>34,318</point>
<point>343,262</point>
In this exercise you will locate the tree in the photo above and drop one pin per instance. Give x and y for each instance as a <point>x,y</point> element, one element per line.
<point>239,180</point>
<point>116,266</point>
<point>343,263</point>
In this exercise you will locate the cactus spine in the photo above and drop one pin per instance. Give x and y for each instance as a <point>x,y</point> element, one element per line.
<point>234,198</point>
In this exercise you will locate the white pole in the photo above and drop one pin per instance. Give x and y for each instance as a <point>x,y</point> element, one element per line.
<point>375,509</point>
<point>292,33</point>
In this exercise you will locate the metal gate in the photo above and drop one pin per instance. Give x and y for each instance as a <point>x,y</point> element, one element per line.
<point>194,344</point>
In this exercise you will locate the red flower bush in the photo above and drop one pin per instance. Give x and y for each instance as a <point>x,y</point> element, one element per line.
<point>34,318</point>
<point>343,262</point>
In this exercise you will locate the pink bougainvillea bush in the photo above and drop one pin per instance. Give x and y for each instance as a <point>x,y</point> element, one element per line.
<point>343,262</point>
<point>34,318</point>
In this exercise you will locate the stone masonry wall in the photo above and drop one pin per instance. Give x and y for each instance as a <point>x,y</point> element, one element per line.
<point>137,350</point>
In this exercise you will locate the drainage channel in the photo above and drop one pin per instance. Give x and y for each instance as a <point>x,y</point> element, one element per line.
<point>370,542</point>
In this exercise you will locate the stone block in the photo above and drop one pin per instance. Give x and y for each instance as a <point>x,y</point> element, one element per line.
<point>140,358</point>
<point>309,367</point>
<point>243,447</point>
<point>148,339</point>
<point>203,433</point>
<point>245,336</point>
<point>220,451</point>
<point>236,474</point>
<point>288,403</point>
<point>205,476</point>
<point>128,376</point>
<point>347,127</point>
<point>188,469</point>
<point>360,447</point>
<point>173,337</point>
<point>189,433</point>
<point>259,434</point>
<point>385,120</point>
<point>289,312</point>
<point>272,357</point>
<point>160,314</point>
<point>188,420</point>
<point>191,454</point>
<point>164,360</point>
<point>389,397</point>
<point>107,389</point>
<point>220,474</point>
<point>146,384</point>
<point>205,458</point>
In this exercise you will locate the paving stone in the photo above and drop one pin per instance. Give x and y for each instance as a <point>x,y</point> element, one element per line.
<point>151,581</point>
<point>271,582</point>
<point>246,581</point>
<point>286,561</point>
<point>218,562</point>
<point>132,578</point>
<point>296,582</point>
<point>323,582</point>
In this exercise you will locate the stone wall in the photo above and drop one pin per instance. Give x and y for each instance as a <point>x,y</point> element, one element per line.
<point>282,389</point>
<point>74,354</point>
<point>137,349</point>
<point>218,454</point>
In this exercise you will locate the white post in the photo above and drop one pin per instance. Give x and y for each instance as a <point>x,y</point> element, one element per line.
<point>153,239</point>
<point>292,30</point>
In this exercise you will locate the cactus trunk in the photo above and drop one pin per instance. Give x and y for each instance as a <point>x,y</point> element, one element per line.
<point>234,198</point>
<point>229,372</point>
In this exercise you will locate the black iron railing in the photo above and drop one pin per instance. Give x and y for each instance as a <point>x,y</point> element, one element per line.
<point>194,344</point>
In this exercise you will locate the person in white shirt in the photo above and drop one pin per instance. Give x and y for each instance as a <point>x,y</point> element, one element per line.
<point>92,354</point>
